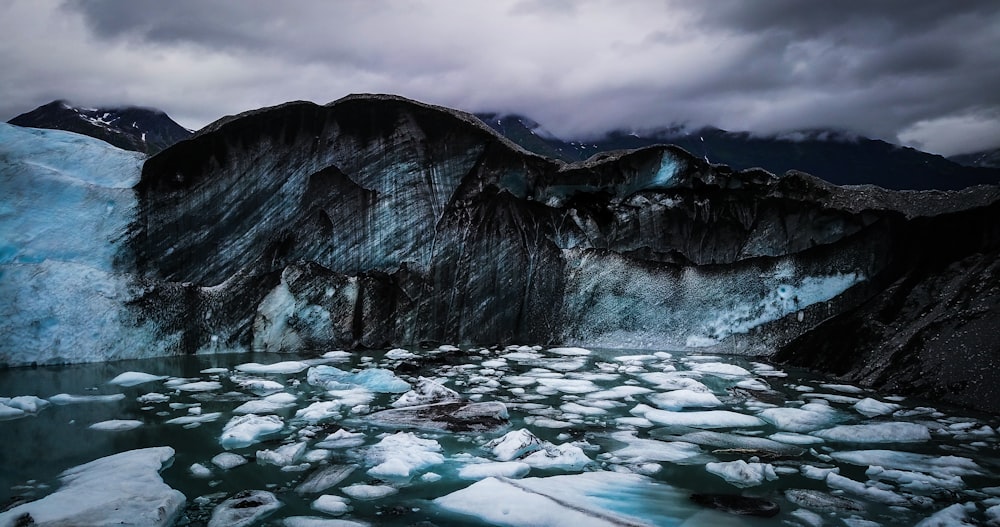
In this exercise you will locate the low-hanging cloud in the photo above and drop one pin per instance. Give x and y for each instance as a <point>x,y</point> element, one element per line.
<point>921,72</point>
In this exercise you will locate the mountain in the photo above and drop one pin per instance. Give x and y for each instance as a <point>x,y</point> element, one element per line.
<point>834,156</point>
<point>985,159</point>
<point>377,221</point>
<point>144,130</point>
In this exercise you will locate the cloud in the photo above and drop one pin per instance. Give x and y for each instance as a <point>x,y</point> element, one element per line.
<point>884,69</point>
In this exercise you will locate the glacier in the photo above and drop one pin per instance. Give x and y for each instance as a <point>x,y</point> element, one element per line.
<point>378,222</point>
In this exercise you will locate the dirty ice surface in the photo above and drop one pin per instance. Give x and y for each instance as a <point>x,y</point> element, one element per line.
<point>506,436</point>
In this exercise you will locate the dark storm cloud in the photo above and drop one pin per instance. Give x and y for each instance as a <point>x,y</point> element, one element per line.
<point>924,72</point>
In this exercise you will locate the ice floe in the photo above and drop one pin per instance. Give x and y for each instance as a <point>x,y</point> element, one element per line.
<point>284,367</point>
<point>742,474</point>
<point>245,430</point>
<point>116,425</point>
<point>244,508</point>
<point>135,378</point>
<point>876,433</point>
<point>65,398</point>
<point>400,456</point>
<point>700,419</point>
<point>123,488</point>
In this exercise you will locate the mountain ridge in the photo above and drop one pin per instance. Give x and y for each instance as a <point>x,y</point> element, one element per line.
<point>140,129</point>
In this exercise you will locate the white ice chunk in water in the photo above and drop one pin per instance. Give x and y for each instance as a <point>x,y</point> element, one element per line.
<point>950,516</point>
<point>504,469</point>
<point>192,419</point>
<point>619,392</point>
<point>742,474</point>
<point>65,398</point>
<point>361,491</point>
<point>844,388</point>
<point>244,508</point>
<point>342,439</point>
<point>702,419</point>
<point>427,391</point>
<point>564,457</point>
<point>198,470</point>
<point>152,397</point>
<point>589,499</point>
<point>515,444</point>
<point>134,378</point>
<point>680,399</point>
<point>875,493</point>
<point>809,417</point>
<point>284,367</point>
<point>332,505</point>
<point>795,439</point>
<point>199,386</point>
<point>27,403</point>
<point>373,379</point>
<point>116,425</point>
<point>571,386</point>
<point>869,407</point>
<point>569,351</point>
<point>890,432</point>
<point>228,460</point>
<point>282,456</point>
<point>639,450</point>
<point>401,455</point>
<point>124,489</point>
<point>720,369</point>
<point>939,466</point>
<point>245,430</point>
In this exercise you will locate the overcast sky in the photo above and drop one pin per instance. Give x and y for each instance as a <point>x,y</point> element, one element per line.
<point>925,73</point>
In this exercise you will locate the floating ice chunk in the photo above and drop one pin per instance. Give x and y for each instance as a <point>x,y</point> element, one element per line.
<point>258,386</point>
<point>245,430</point>
<point>400,354</point>
<point>590,499</point>
<point>315,521</point>
<point>619,392</point>
<point>426,391</point>
<point>795,439</point>
<point>198,470</point>
<point>844,388</point>
<point>332,505</point>
<point>957,514</point>
<point>124,488</point>
<point>807,518</point>
<point>338,355</point>
<point>152,397</point>
<point>869,407</point>
<point>680,399</point>
<point>756,385</point>
<point>134,378</point>
<point>504,469</point>
<point>65,398</point>
<point>576,408</point>
<point>342,439</point>
<point>732,441</point>
<point>260,406</point>
<point>320,411</point>
<point>833,398</point>
<point>282,456</point>
<point>936,465</point>
<point>27,403</point>
<point>638,450</point>
<point>514,445</point>
<point>199,386</point>
<point>244,508</point>
<point>809,417</point>
<point>546,422</point>
<point>573,386</point>
<point>874,493</point>
<point>116,425</point>
<point>564,457</point>
<point>401,455</point>
<point>228,460</point>
<point>324,478</point>
<point>742,474</point>
<point>7,412</point>
<point>993,515</point>
<point>278,367</point>
<point>820,501</point>
<point>702,419</point>
<point>214,371</point>
<point>877,433</point>
<point>569,351</point>
<point>360,491</point>
<point>666,381</point>
<point>916,481</point>
<point>455,417</point>
<point>720,369</point>
<point>373,379</point>
<point>191,419</point>
<point>817,473</point>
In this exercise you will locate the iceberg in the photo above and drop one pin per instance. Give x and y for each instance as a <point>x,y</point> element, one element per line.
<point>401,455</point>
<point>742,474</point>
<point>245,430</point>
<point>699,419</point>
<point>876,433</point>
<point>124,488</point>
<point>135,378</point>
<point>244,508</point>
<point>373,379</point>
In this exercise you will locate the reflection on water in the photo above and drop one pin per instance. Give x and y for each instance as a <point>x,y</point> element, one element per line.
<point>681,420</point>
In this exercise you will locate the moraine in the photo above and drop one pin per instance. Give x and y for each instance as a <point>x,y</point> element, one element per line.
<point>503,436</point>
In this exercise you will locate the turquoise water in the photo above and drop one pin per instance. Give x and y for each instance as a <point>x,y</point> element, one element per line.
<point>36,448</point>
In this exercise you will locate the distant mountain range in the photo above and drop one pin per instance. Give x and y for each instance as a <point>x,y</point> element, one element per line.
<point>834,156</point>
<point>131,128</point>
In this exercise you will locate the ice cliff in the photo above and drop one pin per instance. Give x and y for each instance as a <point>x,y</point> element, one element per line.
<point>375,221</point>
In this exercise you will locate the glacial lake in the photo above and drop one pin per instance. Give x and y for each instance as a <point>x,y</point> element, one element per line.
<point>620,437</point>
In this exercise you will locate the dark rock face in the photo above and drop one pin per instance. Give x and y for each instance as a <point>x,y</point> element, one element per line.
<point>131,128</point>
<point>377,221</point>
